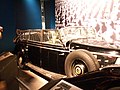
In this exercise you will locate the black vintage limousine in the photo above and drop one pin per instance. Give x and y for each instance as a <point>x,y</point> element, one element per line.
<point>71,51</point>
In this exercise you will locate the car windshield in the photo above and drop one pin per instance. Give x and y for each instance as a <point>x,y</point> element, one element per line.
<point>71,33</point>
<point>86,35</point>
<point>78,32</point>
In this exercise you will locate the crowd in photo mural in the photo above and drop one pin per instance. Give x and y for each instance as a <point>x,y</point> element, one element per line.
<point>102,15</point>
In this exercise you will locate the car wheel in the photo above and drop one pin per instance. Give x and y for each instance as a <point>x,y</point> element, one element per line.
<point>22,59</point>
<point>92,56</point>
<point>79,62</point>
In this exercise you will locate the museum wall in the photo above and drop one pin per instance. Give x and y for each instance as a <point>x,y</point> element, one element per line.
<point>7,21</point>
<point>49,9</point>
<point>23,14</point>
<point>103,16</point>
<point>28,14</point>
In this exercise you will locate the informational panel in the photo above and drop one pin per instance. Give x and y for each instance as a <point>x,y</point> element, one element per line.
<point>63,85</point>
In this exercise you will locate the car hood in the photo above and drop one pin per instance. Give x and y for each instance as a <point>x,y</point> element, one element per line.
<point>98,43</point>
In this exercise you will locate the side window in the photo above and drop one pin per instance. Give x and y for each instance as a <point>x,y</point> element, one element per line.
<point>45,36</point>
<point>55,37</point>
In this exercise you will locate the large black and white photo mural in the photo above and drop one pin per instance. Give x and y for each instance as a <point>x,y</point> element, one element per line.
<point>102,15</point>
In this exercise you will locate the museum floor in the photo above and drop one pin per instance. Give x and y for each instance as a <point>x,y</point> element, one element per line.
<point>34,78</point>
<point>14,78</point>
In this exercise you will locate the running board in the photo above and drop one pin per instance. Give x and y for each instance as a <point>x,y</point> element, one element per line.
<point>45,73</point>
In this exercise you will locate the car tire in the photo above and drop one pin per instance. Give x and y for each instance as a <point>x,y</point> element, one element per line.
<point>20,59</point>
<point>79,62</point>
<point>92,56</point>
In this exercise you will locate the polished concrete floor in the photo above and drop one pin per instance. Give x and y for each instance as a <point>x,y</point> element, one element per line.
<point>14,78</point>
<point>29,81</point>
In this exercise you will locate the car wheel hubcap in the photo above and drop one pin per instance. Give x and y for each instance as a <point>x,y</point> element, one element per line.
<point>78,68</point>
